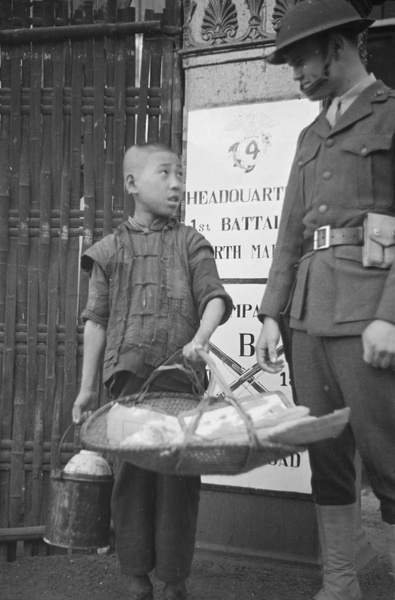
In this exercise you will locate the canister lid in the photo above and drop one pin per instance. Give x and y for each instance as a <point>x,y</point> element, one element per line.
<point>88,462</point>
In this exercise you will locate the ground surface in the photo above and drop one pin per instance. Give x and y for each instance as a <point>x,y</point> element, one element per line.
<point>97,577</point>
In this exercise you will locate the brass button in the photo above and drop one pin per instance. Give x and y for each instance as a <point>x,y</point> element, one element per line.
<point>327,175</point>
<point>330,143</point>
<point>364,150</point>
<point>300,163</point>
<point>322,209</point>
<point>380,93</point>
<point>376,231</point>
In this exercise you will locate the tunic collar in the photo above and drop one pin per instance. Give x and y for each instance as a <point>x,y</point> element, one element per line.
<point>351,95</point>
<point>157,225</point>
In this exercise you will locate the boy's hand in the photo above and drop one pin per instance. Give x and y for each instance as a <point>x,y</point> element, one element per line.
<point>190,351</point>
<point>82,400</point>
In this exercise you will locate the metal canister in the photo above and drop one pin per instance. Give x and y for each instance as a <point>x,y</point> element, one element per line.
<point>79,511</point>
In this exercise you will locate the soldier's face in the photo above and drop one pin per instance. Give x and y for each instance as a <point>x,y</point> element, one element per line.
<point>310,69</point>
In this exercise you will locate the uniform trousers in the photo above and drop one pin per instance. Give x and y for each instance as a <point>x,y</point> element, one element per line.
<point>154,515</point>
<point>329,373</point>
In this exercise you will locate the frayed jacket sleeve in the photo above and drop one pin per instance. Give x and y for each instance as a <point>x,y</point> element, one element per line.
<point>206,283</point>
<point>97,307</point>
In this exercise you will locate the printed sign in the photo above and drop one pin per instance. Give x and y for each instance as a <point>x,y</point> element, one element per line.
<point>238,163</point>
<point>233,349</point>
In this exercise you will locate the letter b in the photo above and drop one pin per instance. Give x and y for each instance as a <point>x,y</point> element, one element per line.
<point>247,347</point>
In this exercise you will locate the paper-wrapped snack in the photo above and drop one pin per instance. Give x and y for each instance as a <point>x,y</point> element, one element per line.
<point>310,429</point>
<point>155,433</point>
<point>225,422</point>
<point>138,424</point>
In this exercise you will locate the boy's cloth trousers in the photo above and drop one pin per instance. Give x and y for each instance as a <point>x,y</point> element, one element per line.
<point>154,515</point>
<point>329,373</point>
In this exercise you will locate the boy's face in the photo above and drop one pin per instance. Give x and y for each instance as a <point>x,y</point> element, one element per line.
<point>307,60</point>
<point>157,186</point>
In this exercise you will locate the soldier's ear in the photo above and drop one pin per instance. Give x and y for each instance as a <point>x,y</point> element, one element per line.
<point>337,44</point>
<point>130,183</point>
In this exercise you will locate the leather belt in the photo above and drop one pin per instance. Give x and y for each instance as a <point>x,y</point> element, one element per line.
<point>325,237</point>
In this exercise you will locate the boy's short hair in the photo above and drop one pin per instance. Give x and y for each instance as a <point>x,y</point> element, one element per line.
<point>148,145</point>
<point>148,148</point>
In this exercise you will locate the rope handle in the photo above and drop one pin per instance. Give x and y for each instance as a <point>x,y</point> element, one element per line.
<point>169,365</point>
<point>58,457</point>
<point>228,396</point>
<point>62,440</point>
<point>84,417</point>
<point>202,396</point>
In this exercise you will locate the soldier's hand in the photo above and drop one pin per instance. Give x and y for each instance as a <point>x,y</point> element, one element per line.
<point>266,347</point>
<point>379,344</point>
<point>82,401</point>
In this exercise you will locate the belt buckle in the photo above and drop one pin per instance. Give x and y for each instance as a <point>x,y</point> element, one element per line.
<point>321,239</point>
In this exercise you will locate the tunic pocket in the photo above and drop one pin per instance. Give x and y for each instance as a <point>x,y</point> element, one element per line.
<point>369,160</point>
<point>357,291</point>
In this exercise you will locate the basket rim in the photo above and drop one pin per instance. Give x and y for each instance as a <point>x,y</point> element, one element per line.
<point>197,445</point>
<point>263,446</point>
<point>150,395</point>
<point>245,455</point>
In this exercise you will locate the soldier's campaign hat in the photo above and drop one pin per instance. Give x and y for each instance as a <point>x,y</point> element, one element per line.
<point>304,18</point>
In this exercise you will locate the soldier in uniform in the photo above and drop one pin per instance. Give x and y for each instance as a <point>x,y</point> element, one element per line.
<point>333,275</point>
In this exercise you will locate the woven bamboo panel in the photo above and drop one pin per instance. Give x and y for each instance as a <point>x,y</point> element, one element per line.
<point>71,100</point>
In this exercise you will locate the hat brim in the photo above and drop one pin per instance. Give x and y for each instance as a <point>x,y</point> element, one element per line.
<point>277,56</point>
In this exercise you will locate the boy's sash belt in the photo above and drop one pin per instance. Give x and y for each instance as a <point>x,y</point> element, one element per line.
<point>325,237</point>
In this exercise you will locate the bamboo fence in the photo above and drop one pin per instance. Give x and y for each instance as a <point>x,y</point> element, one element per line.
<point>79,83</point>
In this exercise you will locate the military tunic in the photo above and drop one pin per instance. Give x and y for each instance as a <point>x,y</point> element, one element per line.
<point>339,175</point>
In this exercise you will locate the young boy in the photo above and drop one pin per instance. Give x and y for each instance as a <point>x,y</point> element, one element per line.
<point>154,289</point>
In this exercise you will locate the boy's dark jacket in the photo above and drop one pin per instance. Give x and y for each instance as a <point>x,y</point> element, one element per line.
<point>157,284</point>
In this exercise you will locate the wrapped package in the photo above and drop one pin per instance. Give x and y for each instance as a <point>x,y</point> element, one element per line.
<point>223,421</point>
<point>140,425</point>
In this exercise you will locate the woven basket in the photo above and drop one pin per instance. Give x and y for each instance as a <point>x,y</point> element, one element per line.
<point>191,457</point>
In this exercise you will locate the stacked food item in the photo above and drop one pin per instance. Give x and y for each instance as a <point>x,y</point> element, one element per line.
<point>141,426</point>
<point>271,416</point>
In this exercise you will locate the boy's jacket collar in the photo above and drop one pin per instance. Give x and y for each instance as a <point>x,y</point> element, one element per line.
<point>157,225</point>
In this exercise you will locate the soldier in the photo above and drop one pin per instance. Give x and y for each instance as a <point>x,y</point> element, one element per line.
<point>333,275</point>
